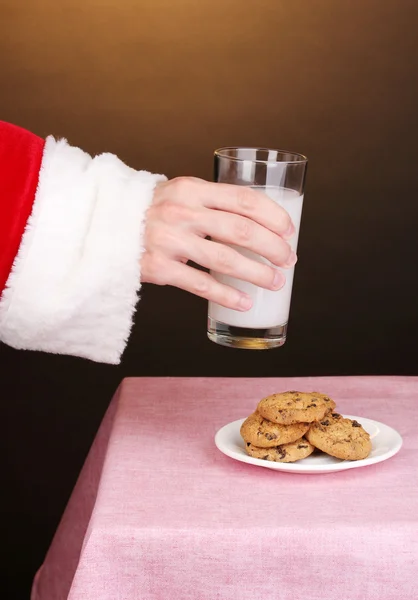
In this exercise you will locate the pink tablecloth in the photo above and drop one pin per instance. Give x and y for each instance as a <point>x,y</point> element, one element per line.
<point>159,513</point>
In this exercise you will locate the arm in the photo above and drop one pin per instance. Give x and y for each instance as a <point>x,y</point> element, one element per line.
<point>79,234</point>
<point>71,232</point>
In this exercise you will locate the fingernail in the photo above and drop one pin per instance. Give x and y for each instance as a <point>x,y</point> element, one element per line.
<point>245,302</point>
<point>290,232</point>
<point>291,261</point>
<point>278,280</point>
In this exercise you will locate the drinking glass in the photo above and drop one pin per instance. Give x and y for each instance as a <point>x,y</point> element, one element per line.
<point>281,175</point>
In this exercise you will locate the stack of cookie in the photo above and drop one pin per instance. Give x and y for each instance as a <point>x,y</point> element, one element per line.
<point>289,426</point>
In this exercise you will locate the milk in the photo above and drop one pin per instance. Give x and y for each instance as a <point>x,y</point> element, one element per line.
<point>270,308</point>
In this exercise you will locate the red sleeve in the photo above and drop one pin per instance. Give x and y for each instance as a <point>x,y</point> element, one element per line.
<point>20,160</point>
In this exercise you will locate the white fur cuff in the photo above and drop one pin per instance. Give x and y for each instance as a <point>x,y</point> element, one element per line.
<point>75,281</point>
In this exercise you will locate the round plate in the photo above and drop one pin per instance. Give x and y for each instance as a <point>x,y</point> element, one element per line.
<point>386,442</point>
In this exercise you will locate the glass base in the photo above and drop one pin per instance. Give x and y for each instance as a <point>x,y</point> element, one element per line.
<point>246,338</point>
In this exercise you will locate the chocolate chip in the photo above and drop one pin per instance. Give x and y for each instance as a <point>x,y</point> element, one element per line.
<point>281,451</point>
<point>355,424</point>
<point>271,436</point>
<point>310,405</point>
<point>335,416</point>
<point>292,392</point>
<point>248,443</point>
<point>302,446</point>
<point>327,400</point>
<point>265,457</point>
<point>325,423</point>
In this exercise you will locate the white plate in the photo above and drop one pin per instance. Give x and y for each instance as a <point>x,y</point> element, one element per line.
<point>386,442</point>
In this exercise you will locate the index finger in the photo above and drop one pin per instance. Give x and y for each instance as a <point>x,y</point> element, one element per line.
<point>245,201</point>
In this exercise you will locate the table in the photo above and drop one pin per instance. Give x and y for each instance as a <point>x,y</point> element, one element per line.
<point>159,513</point>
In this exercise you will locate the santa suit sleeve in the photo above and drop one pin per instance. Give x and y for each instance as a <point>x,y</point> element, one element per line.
<point>71,240</point>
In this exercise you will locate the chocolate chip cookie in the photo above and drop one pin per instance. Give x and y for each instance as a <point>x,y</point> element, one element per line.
<point>295,407</point>
<point>263,433</point>
<point>340,437</point>
<point>285,453</point>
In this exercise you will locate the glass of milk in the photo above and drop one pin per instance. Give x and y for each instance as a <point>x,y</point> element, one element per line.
<point>280,175</point>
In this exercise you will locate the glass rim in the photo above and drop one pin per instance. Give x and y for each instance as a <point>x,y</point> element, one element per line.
<point>298,160</point>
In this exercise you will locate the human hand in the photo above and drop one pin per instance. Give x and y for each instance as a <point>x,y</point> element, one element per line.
<point>186,210</point>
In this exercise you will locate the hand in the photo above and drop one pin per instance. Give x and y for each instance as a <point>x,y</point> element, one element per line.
<point>186,210</point>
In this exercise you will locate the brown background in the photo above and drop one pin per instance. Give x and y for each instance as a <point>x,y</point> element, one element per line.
<point>162,83</point>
